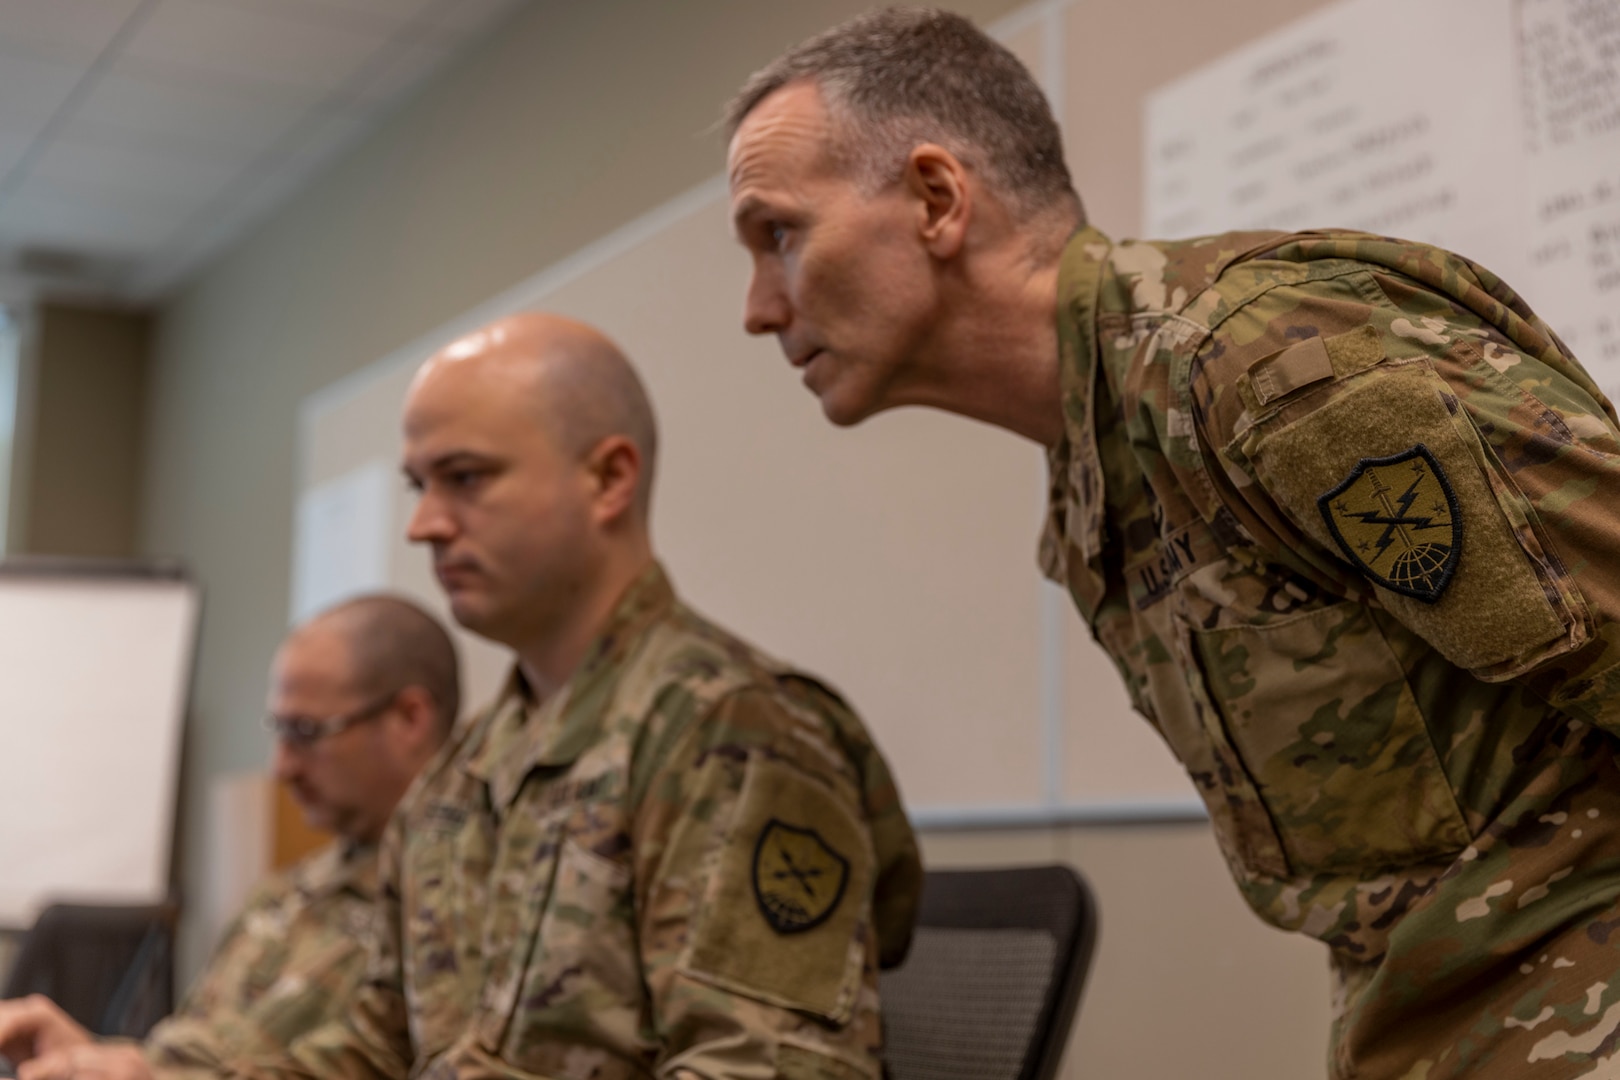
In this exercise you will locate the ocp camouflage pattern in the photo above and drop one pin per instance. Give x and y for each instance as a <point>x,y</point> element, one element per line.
<point>569,890</point>
<point>1424,780</point>
<point>290,961</point>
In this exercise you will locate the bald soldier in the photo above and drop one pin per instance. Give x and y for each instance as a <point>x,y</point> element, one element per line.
<point>659,853</point>
<point>1341,508</point>
<point>361,697</point>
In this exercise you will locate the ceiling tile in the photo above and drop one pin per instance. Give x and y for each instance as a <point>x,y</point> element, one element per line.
<point>74,31</point>
<point>31,90</point>
<point>403,70</point>
<point>213,113</point>
<point>12,148</point>
<point>253,46</point>
<point>46,218</point>
<point>250,201</point>
<point>475,16</point>
<point>379,16</point>
<point>132,171</point>
<point>183,114</point>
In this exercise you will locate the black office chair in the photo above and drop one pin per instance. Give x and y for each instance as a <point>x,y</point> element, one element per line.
<point>109,967</point>
<point>992,983</point>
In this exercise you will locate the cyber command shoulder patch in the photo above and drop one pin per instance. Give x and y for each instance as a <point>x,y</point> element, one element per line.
<point>1396,519</point>
<point>799,879</point>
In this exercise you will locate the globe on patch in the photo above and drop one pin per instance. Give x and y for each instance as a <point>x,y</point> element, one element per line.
<point>1420,567</point>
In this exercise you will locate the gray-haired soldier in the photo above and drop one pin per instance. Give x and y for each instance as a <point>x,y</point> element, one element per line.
<point>1342,509</point>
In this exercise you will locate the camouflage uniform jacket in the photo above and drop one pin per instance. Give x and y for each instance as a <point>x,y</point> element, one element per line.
<point>289,962</point>
<point>1346,514</point>
<point>687,862</point>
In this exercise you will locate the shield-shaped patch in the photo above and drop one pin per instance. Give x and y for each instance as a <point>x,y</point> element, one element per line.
<point>798,878</point>
<point>1396,519</point>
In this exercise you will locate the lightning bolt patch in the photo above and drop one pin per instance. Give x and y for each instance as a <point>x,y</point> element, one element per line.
<point>1395,518</point>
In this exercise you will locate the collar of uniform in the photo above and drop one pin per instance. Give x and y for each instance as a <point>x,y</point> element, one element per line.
<point>339,867</point>
<point>1075,495</point>
<point>556,732</point>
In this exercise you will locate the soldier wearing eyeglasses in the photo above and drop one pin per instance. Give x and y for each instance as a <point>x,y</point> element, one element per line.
<point>361,698</point>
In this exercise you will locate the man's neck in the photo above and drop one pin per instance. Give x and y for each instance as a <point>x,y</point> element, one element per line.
<point>549,663</point>
<point>997,360</point>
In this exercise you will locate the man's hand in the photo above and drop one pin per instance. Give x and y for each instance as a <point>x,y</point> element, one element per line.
<point>112,1061</point>
<point>34,1025</point>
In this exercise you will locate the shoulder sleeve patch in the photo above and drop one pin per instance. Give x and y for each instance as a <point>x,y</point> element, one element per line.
<point>1395,519</point>
<point>785,916</point>
<point>799,879</point>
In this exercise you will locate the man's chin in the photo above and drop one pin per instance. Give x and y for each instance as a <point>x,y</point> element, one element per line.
<point>842,408</point>
<point>843,412</point>
<point>467,612</point>
<point>318,818</point>
<point>479,619</point>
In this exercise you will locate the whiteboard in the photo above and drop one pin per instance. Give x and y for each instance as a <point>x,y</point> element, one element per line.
<point>1489,127</point>
<point>95,669</point>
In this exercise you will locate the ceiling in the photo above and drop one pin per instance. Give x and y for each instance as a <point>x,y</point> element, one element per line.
<point>138,138</point>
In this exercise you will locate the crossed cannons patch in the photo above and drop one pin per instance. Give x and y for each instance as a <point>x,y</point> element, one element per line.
<point>1396,519</point>
<point>798,878</point>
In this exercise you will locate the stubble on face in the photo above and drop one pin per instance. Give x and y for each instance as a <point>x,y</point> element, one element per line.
<point>839,277</point>
<point>509,505</point>
<point>312,677</point>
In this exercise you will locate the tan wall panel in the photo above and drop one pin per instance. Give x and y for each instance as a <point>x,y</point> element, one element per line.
<point>291,836</point>
<point>83,491</point>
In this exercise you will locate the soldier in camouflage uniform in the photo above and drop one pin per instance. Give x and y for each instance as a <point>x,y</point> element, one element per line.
<point>288,962</point>
<point>659,853</point>
<point>362,696</point>
<point>1341,508</point>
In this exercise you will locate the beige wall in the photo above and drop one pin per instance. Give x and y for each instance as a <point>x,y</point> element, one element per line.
<point>573,120</point>
<point>80,489</point>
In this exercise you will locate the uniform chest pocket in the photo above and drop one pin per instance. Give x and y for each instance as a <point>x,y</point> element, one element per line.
<point>1318,708</point>
<point>443,881</point>
<point>269,958</point>
<point>565,996</point>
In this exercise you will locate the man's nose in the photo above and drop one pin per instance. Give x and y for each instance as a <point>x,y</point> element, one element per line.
<point>429,522</point>
<point>765,309</point>
<point>286,763</point>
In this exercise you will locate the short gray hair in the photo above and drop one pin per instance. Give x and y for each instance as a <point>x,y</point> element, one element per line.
<point>901,76</point>
<point>393,643</point>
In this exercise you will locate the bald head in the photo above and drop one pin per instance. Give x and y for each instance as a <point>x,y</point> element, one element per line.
<point>391,644</point>
<point>581,385</point>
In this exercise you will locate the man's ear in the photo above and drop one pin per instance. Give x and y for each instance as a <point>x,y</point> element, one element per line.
<point>419,712</point>
<point>939,182</point>
<point>615,470</point>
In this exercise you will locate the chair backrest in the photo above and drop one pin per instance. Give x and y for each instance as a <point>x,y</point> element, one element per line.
<point>992,983</point>
<point>109,967</point>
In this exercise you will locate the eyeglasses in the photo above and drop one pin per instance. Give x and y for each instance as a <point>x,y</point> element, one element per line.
<point>302,732</point>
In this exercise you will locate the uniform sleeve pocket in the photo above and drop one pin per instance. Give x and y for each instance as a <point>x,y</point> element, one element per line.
<point>1385,470</point>
<point>786,915</point>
